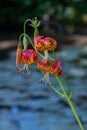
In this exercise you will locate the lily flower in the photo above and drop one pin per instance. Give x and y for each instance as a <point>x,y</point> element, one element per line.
<point>44,65</point>
<point>56,68</point>
<point>28,57</point>
<point>45,43</point>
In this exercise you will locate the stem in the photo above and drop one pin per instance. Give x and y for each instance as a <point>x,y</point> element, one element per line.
<point>20,43</point>
<point>56,91</point>
<point>70,103</point>
<point>46,54</point>
<point>25,25</point>
<point>54,55</point>
<point>30,40</point>
<point>67,85</point>
<point>36,33</point>
<point>69,90</point>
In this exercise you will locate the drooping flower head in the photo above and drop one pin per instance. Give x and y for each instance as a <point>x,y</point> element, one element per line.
<point>27,57</point>
<point>45,43</point>
<point>56,68</point>
<point>44,65</point>
<point>47,66</point>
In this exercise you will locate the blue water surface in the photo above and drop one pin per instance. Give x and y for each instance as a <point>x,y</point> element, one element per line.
<point>26,104</point>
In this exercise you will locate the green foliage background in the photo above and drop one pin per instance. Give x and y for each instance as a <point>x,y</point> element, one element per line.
<point>62,12</point>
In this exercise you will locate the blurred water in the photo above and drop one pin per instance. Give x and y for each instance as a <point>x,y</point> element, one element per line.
<point>26,104</point>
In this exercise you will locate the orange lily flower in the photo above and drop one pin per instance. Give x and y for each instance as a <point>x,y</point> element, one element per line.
<point>56,68</point>
<point>28,57</point>
<point>47,43</point>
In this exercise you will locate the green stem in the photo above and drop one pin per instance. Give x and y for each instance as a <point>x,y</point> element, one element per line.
<point>46,54</point>
<point>69,90</point>
<point>30,40</point>
<point>54,55</point>
<point>20,43</point>
<point>36,33</point>
<point>55,90</point>
<point>70,103</point>
<point>67,85</point>
<point>25,25</point>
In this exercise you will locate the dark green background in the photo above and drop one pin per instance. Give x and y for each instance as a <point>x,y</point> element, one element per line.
<point>19,10</point>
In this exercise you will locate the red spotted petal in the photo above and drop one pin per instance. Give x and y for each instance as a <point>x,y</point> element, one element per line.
<point>45,43</point>
<point>56,68</point>
<point>29,57</point>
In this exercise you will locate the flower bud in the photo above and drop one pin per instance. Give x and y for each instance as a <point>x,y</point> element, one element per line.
<point>18,55</point>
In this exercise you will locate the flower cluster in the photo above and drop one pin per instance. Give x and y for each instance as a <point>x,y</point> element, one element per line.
<point>30,56</point>
<point>48,65</point>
